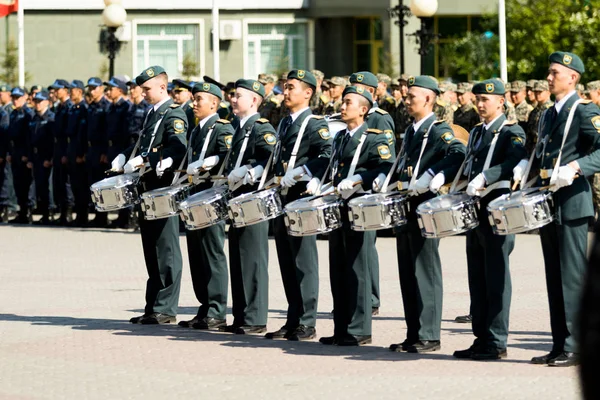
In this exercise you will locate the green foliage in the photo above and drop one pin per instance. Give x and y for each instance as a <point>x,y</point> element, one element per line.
<point>10,65</point>
<point>473,56</point>
<point>388,64</point>
<point>190,67</point>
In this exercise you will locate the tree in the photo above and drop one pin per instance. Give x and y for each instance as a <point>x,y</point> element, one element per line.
<point>474,56</point>
<point>10,65</point>
<point>190,67</point>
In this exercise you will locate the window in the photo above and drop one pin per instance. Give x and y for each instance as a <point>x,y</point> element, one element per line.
<point>368,44</point>
<point>276,48</point>
<point>167,45</point>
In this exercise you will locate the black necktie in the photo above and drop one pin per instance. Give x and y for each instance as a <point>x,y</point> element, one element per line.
<point>285,125</point>
<point>149,116</point>
<point>552,115</point>
<point>345,141</point>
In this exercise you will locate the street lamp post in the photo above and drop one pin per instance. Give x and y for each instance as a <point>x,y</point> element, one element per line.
<point>401,12</point>
<point>424,9</point>
<point>113,17</point>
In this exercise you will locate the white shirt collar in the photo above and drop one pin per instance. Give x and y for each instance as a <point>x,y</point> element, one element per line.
<point>202,122</point>
<point>160,103</point>
<point>417,125</point>
<point>245,119</point>
<point>297,114</point>
<point>351,133</point>
<point>559,104</point>
<point>487,126</point>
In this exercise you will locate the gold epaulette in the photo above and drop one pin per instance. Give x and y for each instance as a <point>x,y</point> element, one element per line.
<point>439,121</point>
<point>373,130</point>
<point>440,102</point>
<point>510,123</point>
<point>324,99</point>
<point>274,100</point>
<point>174,105</point>
<point>223,121</point>
<point>381,111</point>
<point>391,100</point>
<point>586,101</point>
<point>318,117</point>
<point>481,123</point>
<point>262,120</point>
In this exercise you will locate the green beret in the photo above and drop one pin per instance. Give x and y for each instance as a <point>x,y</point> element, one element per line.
<point>149,73</point>
<point>208,88</point>
<point>251,85</point>
<point>360,91</point>
<point>364,77</point>
<point>489,86</point>
<point>424,82</point>
<point>569,60</point>
<point>304,76</point>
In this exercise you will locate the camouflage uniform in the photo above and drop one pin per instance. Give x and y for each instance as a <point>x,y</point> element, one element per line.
<point>522,109</point>
<point>387,103</point>
<point>467,115</point>
<point>269,109</point>
<point>333,107</point>
<point>534,117</point>
<point>595,86</point>
<point>443,111</point>
<point>529,88</point>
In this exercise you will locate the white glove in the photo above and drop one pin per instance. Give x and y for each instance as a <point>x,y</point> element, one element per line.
<point>162,166</point>
<point>437,182</point>
<point>313,185</point>
<point>237,175</point>
<point>210,162</point>
<point>519,169</point>
<point>253,175</point>
<point>422,184</point>
<point>349,183</point>
<point>194,167</point>
<point>378,182</point>
<point>133,164</point>
<point>565,177</point>
<point>289,179</point>
<point>118,162</point>
<point>477,184</point>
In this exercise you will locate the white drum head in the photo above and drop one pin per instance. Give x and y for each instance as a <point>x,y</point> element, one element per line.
<point>445,202</point>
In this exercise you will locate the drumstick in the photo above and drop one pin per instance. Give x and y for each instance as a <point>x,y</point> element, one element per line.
<point>516,184</point>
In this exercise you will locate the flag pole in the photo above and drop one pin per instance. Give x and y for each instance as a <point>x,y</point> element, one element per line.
<point>502,34</point>
<point>20,22</point>
<point>215,41</point>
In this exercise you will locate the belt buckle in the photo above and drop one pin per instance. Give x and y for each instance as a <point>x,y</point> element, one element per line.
<point>544,173</point>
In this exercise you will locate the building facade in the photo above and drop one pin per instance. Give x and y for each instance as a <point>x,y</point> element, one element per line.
<point>335,36</point>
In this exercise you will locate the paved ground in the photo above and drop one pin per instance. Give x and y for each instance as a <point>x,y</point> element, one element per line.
<point>67,294</point>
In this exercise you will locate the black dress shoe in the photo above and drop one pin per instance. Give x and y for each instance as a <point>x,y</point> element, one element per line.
<point>209,323</point>
<point>229,328</point>
<point>282,333</point>
<point>464,319</point>
<point>424,346</point>
<point>243,329</point>
<point>466,353</point>
<point>158,319</point>
<point>138,320</point>
<point>400,347</point>
<point>488,353</point>
<point>329,340</point>
<point>543,360</point>
<point>188,324</point>
<point>354,340</point>
<point>303,333</point>
<point>375,311</point>
<point>564,359</point>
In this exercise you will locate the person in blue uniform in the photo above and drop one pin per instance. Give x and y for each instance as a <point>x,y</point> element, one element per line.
<point>4,122</point>
<point>349,250</point>
<point>252,145</point>
<point>161,147</point>
<point>495,147</point>
<point>41,136</point>
<point>182,95</point>
<point>18,150</point>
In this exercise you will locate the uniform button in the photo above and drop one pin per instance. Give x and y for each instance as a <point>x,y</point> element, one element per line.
<point>341,164</point>
<point>340,175</point>
<point>475,160</point>
<point>547,154</point>
<point>194,153</point>
<point>550,141</point>
<point>408,159</point>
<point>283,149</point>
<point>544,183</point>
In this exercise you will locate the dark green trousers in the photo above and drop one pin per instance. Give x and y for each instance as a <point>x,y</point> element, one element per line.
<point>421,283</point>
<point>565,259</point>
<point>160,240</point>
<point>249,262</point>
<point>299,265</point>
<point>489,283</point>
<point>350,278</point>
<point>208,267</point>
<point>374,268</point>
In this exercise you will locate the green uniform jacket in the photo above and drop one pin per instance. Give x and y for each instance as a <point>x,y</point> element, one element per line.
<point>388,103</point>
<point>443,152</point>
<point>380,119</point>
<point>169,142</point>
<point>582,145</point>
<point>219,144</point>
<point>269,109</point>
<point>376,156</point>
<point>188,108</point>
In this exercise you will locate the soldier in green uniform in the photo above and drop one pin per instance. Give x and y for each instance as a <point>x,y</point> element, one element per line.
<point>182,95</point>
<point>207,149</point>
<point>449,94</point>
<point>418,258</point>
<point>319,99</point>
<point>381,120</point>
<point>349,251</point>
<point>383,98</point>
<point>162,146</point>
<point>401,118</point>
<point>518,93</point>
<point>252,145</point>
<point>530,92</point>
<point>509,108</point>
<point>337,85</point>
<point>443,108</point>
<point>467,115</point>
<point>298,258</point>
<point>495,148</point>
<point>593,89</point>
<point>269,108</point>
<point>564,241</point>
<point>542,98</point>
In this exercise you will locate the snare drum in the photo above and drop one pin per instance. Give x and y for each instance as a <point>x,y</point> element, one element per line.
<point>313,215</point>
<point>116,192</point>
<point>447,215</point>
<point>520,211</point>
<point>164,202</point>
<point>377,211</point>
<point>204,209</point>
<point>254,207</point>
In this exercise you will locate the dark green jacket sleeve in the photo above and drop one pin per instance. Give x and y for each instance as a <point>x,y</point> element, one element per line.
<point>453,150</point>
<point>174,129</point>
<point>589,122</point>
<point>510,147</point>
<point>320,146</point>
